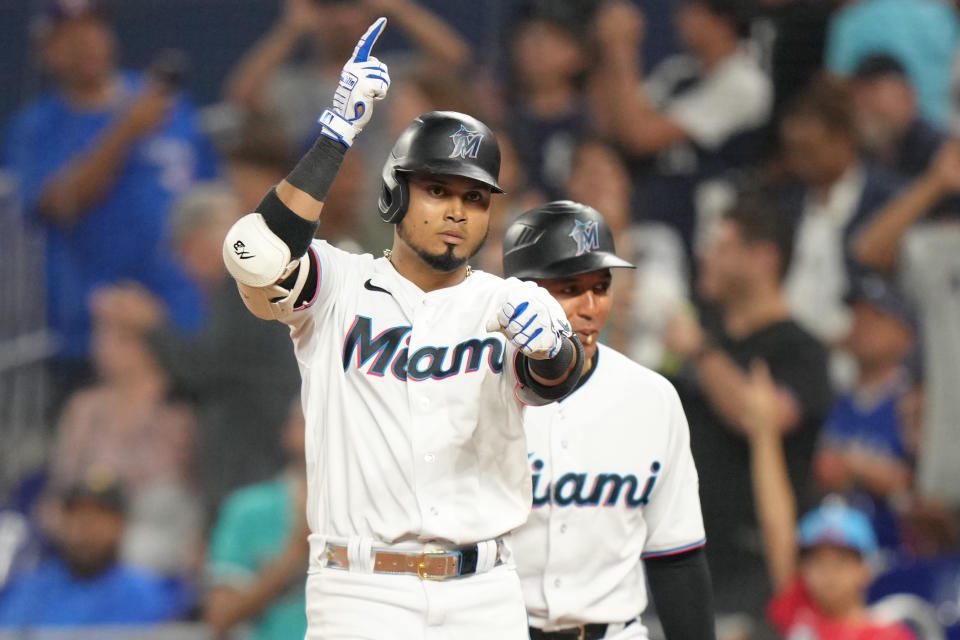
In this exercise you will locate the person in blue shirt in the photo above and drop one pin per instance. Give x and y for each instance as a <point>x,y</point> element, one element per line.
<point>83,584</point>
<point>98,160</point>
<point>862,449</point>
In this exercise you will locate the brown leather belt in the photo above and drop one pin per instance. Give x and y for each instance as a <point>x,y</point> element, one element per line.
<point>428,565</point>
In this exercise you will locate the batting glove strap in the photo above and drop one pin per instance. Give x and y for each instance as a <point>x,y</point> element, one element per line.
<point>336,127</point>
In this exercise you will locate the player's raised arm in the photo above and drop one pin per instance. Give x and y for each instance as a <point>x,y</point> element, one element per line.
<point>263,251</point>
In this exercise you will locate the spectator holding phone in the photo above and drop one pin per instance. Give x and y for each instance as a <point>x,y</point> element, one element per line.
<point>98,160</point>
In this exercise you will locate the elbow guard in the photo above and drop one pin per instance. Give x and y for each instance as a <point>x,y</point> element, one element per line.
<point>254,255</point>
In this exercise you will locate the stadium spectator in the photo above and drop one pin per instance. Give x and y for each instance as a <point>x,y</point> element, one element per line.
<point>741,272</point>
<point>650,295</point>
<point>127,423</point>
<point>519,197</point>
<point>238,369</point>
<point>548,58</point>
<point>821,569</point>
<point>892,132</point>
<point>878,243</point>
<point>796,54</point>
<point>99,160</point>
<point>833,194</point>
<point>862,451</point>
<point>258,550</point>
<point>921,34</point>
<point>697,116</point>
<point>84,584</point>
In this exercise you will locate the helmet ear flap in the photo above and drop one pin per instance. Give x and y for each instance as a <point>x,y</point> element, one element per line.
<point>394,196</point>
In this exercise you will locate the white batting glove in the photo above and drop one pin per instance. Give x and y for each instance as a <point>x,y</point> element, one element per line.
<point>363,80</point>
<point>531,319</point>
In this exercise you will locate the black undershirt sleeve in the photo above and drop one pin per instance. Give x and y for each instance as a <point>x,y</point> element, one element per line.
<point>681,590</point>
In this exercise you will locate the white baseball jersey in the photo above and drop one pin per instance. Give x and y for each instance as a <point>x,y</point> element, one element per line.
<point>613,482</point>
<point>414,424</point>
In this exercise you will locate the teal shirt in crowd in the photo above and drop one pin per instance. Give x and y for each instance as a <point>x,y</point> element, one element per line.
<point>253,527</point>
<point>921,34</point>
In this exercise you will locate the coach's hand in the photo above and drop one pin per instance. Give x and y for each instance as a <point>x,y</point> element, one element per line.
<point>531,319</point>
<point>363,80</point>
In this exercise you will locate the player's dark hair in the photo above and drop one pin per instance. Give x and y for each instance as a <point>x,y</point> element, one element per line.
<point>827,100</point>
<point>760,221</point>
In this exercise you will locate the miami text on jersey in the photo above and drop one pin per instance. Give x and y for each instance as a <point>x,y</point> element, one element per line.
<point>426,362</point>
<point>605,489</point>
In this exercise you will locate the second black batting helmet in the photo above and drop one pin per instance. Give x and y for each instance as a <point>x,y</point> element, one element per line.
<point>441,143</point>
<point>558,240</point>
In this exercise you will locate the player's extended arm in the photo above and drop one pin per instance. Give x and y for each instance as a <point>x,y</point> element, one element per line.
<point>551,358</point>
<point>681,590</point>
<point>265,251</point>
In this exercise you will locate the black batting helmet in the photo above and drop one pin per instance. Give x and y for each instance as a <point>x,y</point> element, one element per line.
<point>558,240</point>
<point>441,143</point>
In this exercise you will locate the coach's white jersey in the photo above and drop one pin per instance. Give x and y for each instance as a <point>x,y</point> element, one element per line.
<point>613,481</point>
<point>414,427</point>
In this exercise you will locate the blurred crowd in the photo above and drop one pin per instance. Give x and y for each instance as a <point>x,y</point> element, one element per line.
<point>784,178</point>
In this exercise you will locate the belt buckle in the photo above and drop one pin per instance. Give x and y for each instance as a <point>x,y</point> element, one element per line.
<point>421,565</point>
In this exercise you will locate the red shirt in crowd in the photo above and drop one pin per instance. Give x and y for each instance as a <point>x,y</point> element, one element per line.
<point>796,617</point>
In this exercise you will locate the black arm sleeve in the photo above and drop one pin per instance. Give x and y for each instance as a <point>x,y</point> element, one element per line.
<point>556,392</point>
<point>680,588</point>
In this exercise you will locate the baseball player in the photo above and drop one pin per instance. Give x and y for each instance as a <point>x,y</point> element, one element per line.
<point>415,374</point>
<point>615,493</point>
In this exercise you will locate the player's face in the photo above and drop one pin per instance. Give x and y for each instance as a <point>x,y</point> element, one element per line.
<point>586,300</point>
<point>836,578</point>
<point>447,220</point>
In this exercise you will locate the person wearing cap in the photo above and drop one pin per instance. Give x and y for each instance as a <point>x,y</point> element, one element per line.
<point>84,584</point>
<point>820,570</point>
<point>892,131</point>
<point>615,497</point>
<point>862,449</point>
<point>98,161</point>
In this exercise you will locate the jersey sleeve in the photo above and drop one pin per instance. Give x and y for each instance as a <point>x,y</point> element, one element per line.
<point>330,268</point>
<point>674,520</point>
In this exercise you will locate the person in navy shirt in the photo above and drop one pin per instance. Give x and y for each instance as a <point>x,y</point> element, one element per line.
<point>99,160</point>
<point>83,584</point>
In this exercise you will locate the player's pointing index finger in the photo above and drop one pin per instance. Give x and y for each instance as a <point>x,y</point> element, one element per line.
<point>362,51</point>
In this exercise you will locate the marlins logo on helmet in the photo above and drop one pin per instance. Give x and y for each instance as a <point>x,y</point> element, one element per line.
<point>585,235</point>
<point>466,143</point>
